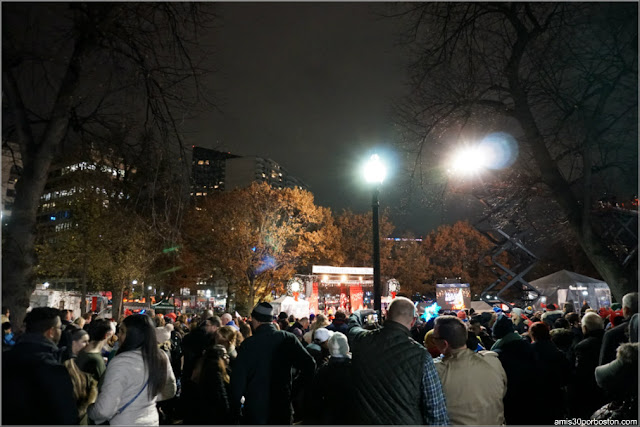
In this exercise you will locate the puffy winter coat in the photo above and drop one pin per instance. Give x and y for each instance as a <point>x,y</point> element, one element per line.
<point>388,366</point>
<point>125,377</point>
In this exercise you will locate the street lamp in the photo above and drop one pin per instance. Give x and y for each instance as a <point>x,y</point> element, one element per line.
<point>374,173</point>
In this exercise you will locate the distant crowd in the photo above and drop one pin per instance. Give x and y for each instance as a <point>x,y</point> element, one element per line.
<point>459,368</point>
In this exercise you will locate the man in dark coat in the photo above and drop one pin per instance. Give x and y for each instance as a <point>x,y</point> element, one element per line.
<point>517,358</point>
<point>619,334</point>
<point>584,394</point>
<point>262,372</point>
<point>394,378</point>
<point>339,323</point>
<point>36,387</point>
<point>555,369</point>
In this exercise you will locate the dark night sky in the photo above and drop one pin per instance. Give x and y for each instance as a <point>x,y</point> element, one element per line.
<point>310,85</point>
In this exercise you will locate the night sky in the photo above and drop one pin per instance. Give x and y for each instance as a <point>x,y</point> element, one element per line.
<point>311,86</point>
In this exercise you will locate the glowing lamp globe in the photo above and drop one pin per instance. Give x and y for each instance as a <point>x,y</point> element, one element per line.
<point>374,170</point>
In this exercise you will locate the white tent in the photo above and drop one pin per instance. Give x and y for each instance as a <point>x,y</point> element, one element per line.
<point>567,286</point>
<point>290,306</point>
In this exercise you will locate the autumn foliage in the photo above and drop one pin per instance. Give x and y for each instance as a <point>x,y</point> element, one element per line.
<point>258,237</point>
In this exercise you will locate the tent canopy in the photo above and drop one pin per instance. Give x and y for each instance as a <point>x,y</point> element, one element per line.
<point>564,279</point>
<point>564,286</point>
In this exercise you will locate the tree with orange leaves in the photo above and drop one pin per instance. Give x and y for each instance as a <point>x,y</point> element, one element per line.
<point>258,237</point>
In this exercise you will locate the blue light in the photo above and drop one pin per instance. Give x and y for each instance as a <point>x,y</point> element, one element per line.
<point>53,218</point>
<point>253,249</point>
<point>430,312</point>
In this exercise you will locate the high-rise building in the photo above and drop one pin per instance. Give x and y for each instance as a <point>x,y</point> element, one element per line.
<point>208,169</point>
<point>214,170</point>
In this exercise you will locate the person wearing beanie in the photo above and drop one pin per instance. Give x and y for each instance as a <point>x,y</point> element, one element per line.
<point>551,315</point>
<point>319,348</point>
<point>262,372</point>
<point>430,344</point>
<point>518,362</point>
<point>333,406</point>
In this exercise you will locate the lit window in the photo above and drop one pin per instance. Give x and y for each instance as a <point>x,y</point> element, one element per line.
<point>198,194</point>
<point>201,162</point>
<point>206,162</point>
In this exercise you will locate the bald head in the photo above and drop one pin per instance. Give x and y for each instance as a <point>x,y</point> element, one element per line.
<point>225,318</point>
<point>403,311</point>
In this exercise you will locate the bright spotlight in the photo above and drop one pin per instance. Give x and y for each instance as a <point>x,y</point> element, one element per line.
<point>469,160</point>
<point>374,170</point>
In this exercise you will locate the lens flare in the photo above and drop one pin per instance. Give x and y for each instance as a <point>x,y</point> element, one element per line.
<point>501,150</point>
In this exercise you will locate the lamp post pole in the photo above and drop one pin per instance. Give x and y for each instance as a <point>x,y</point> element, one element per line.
<point>377,297</point>
<point>375,172</point>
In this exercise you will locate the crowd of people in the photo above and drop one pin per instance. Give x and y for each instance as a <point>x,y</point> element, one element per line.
<point>459,368</point>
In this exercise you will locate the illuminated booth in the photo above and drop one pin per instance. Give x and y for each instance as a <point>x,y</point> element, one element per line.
<point>330,288</point>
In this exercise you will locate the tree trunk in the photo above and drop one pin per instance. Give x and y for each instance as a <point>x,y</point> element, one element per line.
<point>83,284</point>
<point>18,252</point>
<point>116,302</point>
<point>620,281</point>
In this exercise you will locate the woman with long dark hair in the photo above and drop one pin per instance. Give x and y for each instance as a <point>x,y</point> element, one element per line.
<point>139,375</point>
<point>211,375</point>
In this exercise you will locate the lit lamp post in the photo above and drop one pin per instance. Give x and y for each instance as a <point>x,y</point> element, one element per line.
<point>374,173</point>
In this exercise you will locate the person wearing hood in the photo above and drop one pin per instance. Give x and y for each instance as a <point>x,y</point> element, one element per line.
<point>319,348</point>
<point>333,385</point>
<point>551,315</point>
<point>619,380</point>
<point>36,387</point>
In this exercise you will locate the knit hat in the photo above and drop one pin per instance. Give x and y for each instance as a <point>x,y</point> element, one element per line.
<point>263,312</point>
<point>338,345</point>
<point>322,334</point>
<point>162,334</point>
<point>517,311</point>
<point>502,327</point>
<point>462,315</point>
<point>551,307</point>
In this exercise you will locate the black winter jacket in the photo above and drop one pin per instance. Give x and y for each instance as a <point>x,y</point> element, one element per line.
<point>262,374</point>
<point>388,366</point>
<point>333,393</point>
<point>36,387</point>
<point>586,397</point>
